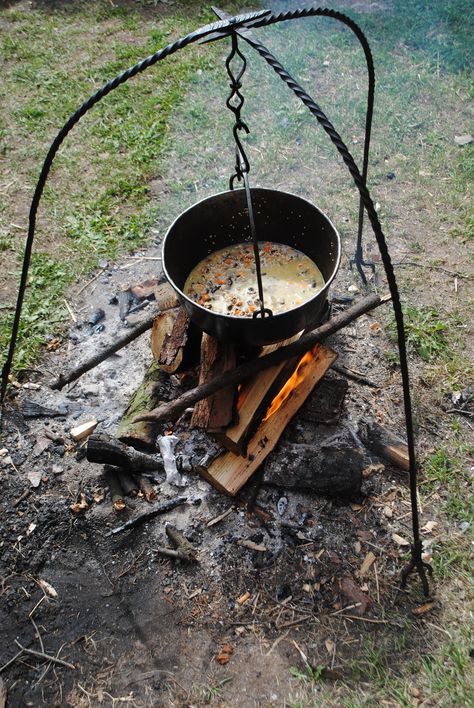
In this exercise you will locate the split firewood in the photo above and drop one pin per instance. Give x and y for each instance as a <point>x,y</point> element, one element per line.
<point>253,399</point>
<point>181,544</point>
<point>229,472</point>
<point>330,470</point>
<point>216,411</point>
<point>167,297</point>
<point>148,515</point>
<point>173,410</point>
<point>384,443</point>
<point>162,327</point>
<point>116,492</point>
<point>149,394</point>
<point>104,449</point>
<point>145,487</point>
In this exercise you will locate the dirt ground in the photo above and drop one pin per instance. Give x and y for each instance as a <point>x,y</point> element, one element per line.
<point>139,630</point>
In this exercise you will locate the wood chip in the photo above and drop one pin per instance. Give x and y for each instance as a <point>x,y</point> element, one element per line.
<point>83,430</point>
<point>48,589</point>
<point>429,526</point>
<point>243,598</point>
<point>246,543</point>
<point>329,644</point>
<point>221,517</point>
<point>368,561</point>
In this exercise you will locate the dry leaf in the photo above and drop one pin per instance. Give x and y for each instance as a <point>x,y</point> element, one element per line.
<point>224,654</point>
<point>329,644</point>
<point>375,326</point>
<point>368,561</point>
<point>80,505</point>
<point>400,540</point>
<point>429,526</point>
<point>30,528</point>
<point>423,609</point>
<point>372,469</point>
<point>48,589</point>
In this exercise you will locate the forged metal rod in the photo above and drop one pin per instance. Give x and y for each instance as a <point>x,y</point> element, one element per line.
<point>416,549</point>
<point>223,27</point>
<point>249,37</point>
<point>171,411</point>
<point>218,30</point>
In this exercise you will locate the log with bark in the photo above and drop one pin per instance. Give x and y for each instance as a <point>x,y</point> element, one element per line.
<point>216,411</point>
<point>104,449</point>
<point>154,389</point>
<point>174,409</point>
<point>329,470</point>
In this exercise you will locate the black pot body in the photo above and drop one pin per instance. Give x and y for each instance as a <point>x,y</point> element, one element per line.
<point>222,220</point>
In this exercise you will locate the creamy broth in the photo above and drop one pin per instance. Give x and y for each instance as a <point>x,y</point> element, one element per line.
<point>226,281</point>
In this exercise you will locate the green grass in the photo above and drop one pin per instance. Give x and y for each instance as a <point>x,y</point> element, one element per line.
<point>96,201</point>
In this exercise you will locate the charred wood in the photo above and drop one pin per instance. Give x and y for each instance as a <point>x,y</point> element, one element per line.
<point>384,443</point>
<point>104,449</point>
<point>149,515</point>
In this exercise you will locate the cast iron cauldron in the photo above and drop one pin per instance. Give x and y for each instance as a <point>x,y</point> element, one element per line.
<point>222,220</point>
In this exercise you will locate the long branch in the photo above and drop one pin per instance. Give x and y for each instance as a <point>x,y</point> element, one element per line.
<point>171,411</point>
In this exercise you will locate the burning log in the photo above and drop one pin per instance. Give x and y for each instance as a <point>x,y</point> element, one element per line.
<point>229,472</point>
<point>384,444</point>
<point>147,396</point>
<point>326,469</point>
<point>216,411</point>
<point>173,410</point>
<point>105,449</point>
<point>165,299</point>
<point>254,395</point>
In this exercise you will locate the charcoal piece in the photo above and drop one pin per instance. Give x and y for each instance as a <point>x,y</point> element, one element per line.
<point>30,409</point>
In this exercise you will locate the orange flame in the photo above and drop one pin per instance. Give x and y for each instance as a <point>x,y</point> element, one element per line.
<point>293,382</point>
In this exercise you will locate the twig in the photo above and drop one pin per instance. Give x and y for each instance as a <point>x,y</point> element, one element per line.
<point>147,516</point>
<point>97,359</point>
<point>11,661</point>
<point>172,553</point>
<point>42,655</point>
<point>354,376</point>
<point>70,310</point>
<point>412,264</point>
<point>89,282</point>
<point>371,620</point>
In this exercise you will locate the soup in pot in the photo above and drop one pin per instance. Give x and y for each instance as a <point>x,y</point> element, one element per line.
<point>226,280</point>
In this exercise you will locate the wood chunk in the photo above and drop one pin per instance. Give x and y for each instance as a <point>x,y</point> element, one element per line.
<point>147,396</point>
<point>165,296</point>
<point>229,472</point>
<point>83,430</point>
<point>253,394</point>
<point>384,443</point>
<point>146,488</point>
<point>331,470</point>
<point>107,450</point>
<point>216,411</point>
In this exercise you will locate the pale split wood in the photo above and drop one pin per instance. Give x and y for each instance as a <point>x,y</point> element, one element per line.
<point>252,393</point>
<point>229,472</point>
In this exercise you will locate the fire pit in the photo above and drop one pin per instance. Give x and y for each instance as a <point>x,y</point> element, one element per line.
<point>279,217</point>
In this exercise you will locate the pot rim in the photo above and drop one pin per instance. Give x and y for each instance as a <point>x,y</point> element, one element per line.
<point>238,317</point>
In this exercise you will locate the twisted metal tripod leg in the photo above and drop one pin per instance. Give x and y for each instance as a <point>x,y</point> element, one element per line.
<point>417,563</point>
